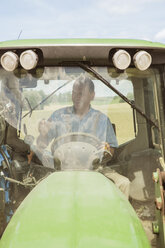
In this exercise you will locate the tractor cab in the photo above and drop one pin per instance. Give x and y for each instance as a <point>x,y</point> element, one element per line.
<point>53,154</point>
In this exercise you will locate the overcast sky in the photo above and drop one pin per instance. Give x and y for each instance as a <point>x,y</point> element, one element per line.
<point>137,19</point>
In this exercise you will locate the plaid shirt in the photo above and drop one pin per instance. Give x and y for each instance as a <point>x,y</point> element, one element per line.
<point>94,122</point>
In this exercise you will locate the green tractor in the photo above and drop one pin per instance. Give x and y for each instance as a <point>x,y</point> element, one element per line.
<point>82,143</point>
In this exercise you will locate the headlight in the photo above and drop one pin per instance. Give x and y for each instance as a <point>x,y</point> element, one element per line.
<point>28,59</point>
<point>142,60</point>
<point>9,61</point>
<point>121,59</point>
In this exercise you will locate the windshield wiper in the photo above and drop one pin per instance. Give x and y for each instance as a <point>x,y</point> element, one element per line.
<point>45,99</point>
<point>130,102</point>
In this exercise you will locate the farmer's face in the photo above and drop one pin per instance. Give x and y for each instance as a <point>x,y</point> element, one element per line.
<point>81,97</point>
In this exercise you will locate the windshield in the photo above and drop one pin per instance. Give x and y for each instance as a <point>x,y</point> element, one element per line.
<point>64,115</point>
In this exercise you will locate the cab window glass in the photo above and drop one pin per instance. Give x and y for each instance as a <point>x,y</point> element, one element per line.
<point>105,100</point>
<point>119,112</point>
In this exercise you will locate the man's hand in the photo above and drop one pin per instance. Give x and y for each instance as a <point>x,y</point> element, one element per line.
<point>108,152</point>
<point>106,155</point>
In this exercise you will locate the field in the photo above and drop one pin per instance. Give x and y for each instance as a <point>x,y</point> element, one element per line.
<point>119,114</point>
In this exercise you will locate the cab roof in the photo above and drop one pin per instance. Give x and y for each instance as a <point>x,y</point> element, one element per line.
<point>82,41</point>
<point>53,52</point>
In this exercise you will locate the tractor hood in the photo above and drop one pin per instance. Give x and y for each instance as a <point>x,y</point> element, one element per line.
<point>75,209</point>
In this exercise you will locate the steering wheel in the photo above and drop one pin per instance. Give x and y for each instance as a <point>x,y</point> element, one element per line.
<point>76,151</point>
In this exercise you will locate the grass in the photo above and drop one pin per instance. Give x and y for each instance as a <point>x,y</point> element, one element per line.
<point>119,114</point>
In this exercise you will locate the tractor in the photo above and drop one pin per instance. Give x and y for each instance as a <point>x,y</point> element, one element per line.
<point>53,192</point>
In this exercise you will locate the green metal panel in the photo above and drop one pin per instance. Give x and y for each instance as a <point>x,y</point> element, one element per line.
<point>75,210</point>
<point>49,42</point>
<point>160,215</point>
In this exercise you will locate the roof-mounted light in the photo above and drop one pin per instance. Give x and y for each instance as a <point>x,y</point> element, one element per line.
<point>121,59</point>
<point>28,59</point>
<point>9,61</point>
<point>142,60</point>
